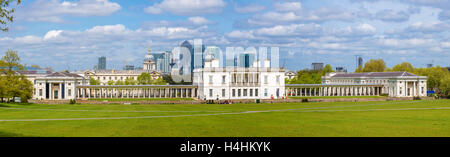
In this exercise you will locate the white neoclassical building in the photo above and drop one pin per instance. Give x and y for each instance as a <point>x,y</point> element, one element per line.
<point>116,75</point>
<point>395,84</point>
<point>54,85</point>
<point>253,82</point>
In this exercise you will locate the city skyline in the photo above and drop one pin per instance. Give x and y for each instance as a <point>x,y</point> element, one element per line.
<point>72,34</point>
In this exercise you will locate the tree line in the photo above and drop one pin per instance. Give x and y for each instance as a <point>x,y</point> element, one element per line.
<point>438,78</point>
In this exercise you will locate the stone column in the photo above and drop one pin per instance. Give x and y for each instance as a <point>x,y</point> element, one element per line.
<point>414,88</point>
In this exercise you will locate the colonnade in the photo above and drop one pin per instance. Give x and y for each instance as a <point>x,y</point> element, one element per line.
<point>137,91</point>
<point>333,90</point>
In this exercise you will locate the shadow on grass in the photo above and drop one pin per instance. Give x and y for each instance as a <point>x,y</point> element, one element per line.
<point>3,105</point>
<point>8,134</point>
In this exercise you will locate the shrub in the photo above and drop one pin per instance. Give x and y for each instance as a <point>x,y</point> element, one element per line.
<point>416,98</point>
<point>72,101</point>
<point>304,100</point>
<point>384,94</point>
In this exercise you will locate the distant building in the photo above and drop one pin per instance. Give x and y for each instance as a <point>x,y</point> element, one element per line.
<point>317,66</point>
<point>360,61</point>
<point>101,63</point>
<point>158,61</point>
<point>128,67</point>
<point>341,69</point>
<point>429,65</point>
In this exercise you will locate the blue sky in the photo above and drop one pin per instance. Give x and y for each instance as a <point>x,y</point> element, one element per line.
<point>72,34</point>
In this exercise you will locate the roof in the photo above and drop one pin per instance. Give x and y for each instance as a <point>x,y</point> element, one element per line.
<point>111,71</point>
<point>34,72</point>
<point>375,74</point>
<point>62,74</point>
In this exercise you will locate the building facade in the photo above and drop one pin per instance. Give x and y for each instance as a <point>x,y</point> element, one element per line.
<point>395,84</point>
<point>223,83</point>
<point>116,75</point>
<point>54,85</point>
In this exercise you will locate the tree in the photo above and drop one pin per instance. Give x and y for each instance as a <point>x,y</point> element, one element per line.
<point>130,81</point>
<point>445,85</point>
<point>119,82</point>
<point>93,81</point>
<point>327,69</point>
<point>6,13</point>
<point>12,60</point>
<point>12,83</point>
<point>405,66</point>
<point>434,76</point>
<point>36,66</point>
<point>144,79</point>
<point>375,65</point>
<point>359,69</point>
<point>110,82</point>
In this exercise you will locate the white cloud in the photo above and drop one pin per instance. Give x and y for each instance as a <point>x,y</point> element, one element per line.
<point>288,6</point>
<point>249,9</point>
<point>389,15</point>
<point>186,7</point>
<point>428,27</point>
<point>108,29</point>
<point>197,20</point>
<point>52,34</point>
<point>53,10</point>
<point>445,44</point>
<point>359,30</point>
<point>406,43</point>
<point>241,34</point>
<point>291,30</point>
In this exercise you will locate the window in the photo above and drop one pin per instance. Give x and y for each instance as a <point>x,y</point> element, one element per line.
<point>245,92</point>
<point>110,78</point>
<point>256,92</point>
<point>421,89</point>
<point>233,92</point>
<point>400,90</point>
<point>239,92</point>
<point>210,92</point>
<point>265,79</point>
<point>115,78</point>
<point>223,92</point>
<point>251,92</point>
<point>104,78</point>
<point>210,79</point>
<point>265,92</point>
<point>69,92</point>
<point>40,84</point>
<point>223,79</point>
<point>70,84</point>
<point>40,92</point>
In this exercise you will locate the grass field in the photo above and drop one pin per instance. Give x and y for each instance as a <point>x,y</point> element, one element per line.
<point>139,99</point>
<point>333,97</point>
<point>386,118</point>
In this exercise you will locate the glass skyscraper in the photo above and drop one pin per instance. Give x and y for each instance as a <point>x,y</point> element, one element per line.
<point>101,63</point>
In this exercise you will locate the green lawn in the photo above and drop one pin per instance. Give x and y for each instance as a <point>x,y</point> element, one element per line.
<point>333,97</point>
<point>384,118</point>
<point>140,99</point>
